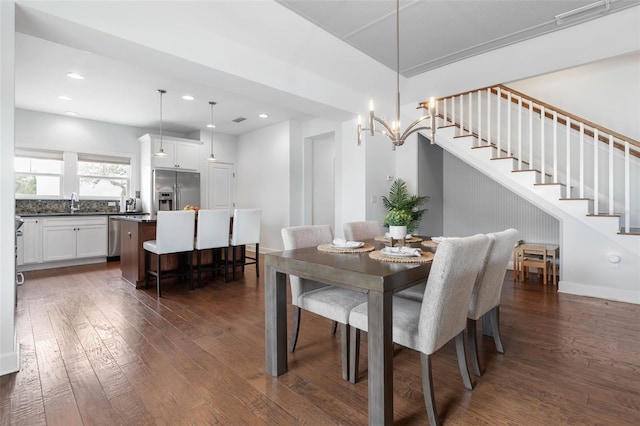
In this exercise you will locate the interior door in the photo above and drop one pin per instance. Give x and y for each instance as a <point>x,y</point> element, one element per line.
<point>221,188</point>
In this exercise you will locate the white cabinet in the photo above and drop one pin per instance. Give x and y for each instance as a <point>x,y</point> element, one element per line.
<point>30,244</point>
<point>183,156</point>
<point>73,238</point>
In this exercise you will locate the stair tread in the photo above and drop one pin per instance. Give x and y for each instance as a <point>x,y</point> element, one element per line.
<point>604,215</point>
<point>504,158</point>
<point>550,183</point>
<point>571,199</point>
<point>630,233</point>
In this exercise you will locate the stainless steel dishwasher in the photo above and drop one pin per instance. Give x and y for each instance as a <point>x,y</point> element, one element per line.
<point>114,238</point>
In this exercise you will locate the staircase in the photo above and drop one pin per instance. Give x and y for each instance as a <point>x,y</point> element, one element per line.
<point>566,165</point>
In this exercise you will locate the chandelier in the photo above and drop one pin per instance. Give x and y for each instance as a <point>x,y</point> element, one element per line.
<point>394,131</point>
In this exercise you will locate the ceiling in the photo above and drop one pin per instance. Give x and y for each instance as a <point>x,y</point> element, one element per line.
<point>433,33</point>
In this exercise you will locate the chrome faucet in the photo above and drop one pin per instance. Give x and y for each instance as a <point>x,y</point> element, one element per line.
<point>75,202</point>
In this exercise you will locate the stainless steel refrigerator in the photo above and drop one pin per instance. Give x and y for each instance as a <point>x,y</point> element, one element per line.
<point>174,190</point>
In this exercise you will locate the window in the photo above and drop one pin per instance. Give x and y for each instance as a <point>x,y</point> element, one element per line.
<point>100,176</point>
<point>38,174</point>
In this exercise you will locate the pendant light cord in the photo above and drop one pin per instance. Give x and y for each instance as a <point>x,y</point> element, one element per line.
<point>398,64</point>
<point>162,92</point>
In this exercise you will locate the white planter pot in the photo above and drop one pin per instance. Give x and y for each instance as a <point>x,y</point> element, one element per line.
<point>398,232</point>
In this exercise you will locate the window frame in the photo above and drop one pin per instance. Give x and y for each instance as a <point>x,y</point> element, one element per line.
<point>39,155</point>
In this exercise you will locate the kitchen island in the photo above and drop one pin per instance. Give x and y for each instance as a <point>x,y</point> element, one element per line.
<point>134,231</point>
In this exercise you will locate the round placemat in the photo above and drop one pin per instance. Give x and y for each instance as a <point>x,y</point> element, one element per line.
<point>430,244</point>
<point>426,257</point>
<point>407,241</point>
<point>329,248</point>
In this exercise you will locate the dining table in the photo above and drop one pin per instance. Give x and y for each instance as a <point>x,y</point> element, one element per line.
<point>379,279</point>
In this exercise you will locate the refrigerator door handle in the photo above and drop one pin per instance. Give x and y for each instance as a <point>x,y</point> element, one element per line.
<point>176,197</point>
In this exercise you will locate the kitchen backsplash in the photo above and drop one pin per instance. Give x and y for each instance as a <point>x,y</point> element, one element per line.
<point>64,206</point>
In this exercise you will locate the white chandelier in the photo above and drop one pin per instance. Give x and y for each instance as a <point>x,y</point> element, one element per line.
<point>393,131</point>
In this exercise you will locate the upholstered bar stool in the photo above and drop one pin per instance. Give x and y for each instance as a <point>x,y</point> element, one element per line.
<point>213,233</point>
<point>174,234</point>
<point>246,230</point>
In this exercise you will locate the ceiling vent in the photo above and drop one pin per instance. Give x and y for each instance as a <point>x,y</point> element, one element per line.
<point>238,120</point>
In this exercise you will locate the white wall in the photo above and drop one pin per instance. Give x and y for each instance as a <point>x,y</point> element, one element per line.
<point>606,92</point>
<point>262,180</point>
<point>9,346</point>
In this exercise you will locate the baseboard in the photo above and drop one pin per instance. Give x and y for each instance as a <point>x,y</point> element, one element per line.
<point>607,293</point>
<point>10,361</point>
<point>263,250</point>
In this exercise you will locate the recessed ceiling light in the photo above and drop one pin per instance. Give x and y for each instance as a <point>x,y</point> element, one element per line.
<point>71,113</point>
<point>211,126</point>
<point>64,98</point>
<point>188,97</point>
<point>263,116</point>
<point>75,76</point>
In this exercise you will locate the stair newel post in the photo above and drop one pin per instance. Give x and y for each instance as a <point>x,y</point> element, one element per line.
<point>461,120</point>
<point>610,174</point>
<point>498,124</point>
<point>519,132</point>
<point>543,160</point>
<point>627,188</point>
<point>555,147</point>
<point>596,189</point>
<point>509,124</point>
<point>568,148</point>
<point>531,165</point>
<point>581,173</point>
<point>489,116</point>
<point>471,113</point>
<point>479,117</point>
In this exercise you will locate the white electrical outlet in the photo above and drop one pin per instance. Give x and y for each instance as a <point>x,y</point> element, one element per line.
<point>374,199</point>
<point>111,204</point>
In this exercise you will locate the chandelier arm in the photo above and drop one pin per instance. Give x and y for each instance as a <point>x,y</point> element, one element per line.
<point>417,129</point>
<point>385,125</point>
<point>409,130</point>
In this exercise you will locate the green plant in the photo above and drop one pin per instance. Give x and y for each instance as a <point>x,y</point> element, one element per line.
<point>400,199</point>
<point>398,218</point>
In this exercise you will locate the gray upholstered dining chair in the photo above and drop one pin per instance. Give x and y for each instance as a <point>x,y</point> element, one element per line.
<point>485,298</point>
<point>174,234</point>
<point>212,234</point>
<point>441,316</point>
<point>333,303</point>
<point>365,230</point>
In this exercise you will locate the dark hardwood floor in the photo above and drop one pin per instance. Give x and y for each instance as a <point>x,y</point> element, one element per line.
<point>94,350</point>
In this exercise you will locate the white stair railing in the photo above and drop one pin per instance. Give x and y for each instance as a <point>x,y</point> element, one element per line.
<point>531,131</point>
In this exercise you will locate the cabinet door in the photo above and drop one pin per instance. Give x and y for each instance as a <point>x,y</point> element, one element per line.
<point>186,156</point>
<point>58,243</point>
<point>168,162</point>
<point>31,247</point>
<point>91,241</point>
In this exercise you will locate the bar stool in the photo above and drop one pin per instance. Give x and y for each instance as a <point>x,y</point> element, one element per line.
<point>174,234</point>
<point>212,233</point>
<point>246,230</point>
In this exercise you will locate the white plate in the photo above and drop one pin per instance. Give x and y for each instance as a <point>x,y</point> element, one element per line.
<point>352,245</point>
<point>387,251</point>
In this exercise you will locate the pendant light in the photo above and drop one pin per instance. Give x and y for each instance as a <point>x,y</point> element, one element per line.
<point>393,131</point>
<point>212,157</point>
<point>160,153</point>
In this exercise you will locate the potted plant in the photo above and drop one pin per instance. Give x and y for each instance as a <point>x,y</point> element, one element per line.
<point>397,220</point>
<point>400,199</point>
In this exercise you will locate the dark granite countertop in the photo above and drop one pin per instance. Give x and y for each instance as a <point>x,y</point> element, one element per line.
<point>83,214</point>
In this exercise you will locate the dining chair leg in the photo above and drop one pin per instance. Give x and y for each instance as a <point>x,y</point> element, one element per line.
<point>344,343</point>
<point>473,343</point>
<point>295,327</point>
<point>334,327</point>
<point>462,361</point>
<point>158,276</point>
<point>190,262</point>
<point>233,263</point>
<point>354,354</point>
<point>494,317</point>
<point>427,389</point>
